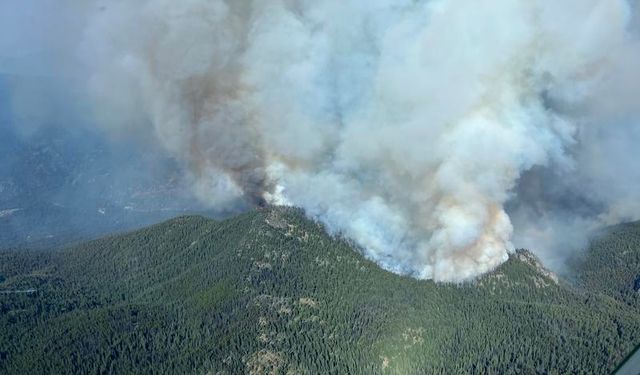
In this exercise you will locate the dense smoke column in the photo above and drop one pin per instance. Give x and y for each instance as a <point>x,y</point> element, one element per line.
<point>405,126</point>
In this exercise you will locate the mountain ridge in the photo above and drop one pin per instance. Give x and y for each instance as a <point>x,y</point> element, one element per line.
<point>268,291</point>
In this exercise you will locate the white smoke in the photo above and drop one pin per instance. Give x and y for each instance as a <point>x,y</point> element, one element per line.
<point>405,125</point>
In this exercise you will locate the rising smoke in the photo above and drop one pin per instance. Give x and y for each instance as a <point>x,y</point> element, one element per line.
<point>435,134</point>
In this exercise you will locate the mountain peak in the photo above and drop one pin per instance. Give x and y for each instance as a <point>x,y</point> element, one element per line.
<point>531,259</point>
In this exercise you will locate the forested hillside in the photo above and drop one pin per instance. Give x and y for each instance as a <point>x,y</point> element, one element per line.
<point>611,265</point>
<point>269,291</point>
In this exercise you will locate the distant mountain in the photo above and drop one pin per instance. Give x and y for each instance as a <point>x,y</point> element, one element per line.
<point>611,265</point>
<point>64,184</point>
<point>269,291</point>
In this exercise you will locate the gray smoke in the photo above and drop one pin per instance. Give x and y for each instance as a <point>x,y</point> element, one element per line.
<point>435,134</point>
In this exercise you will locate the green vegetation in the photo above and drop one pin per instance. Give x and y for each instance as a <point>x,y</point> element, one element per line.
<point>270,292</point>
<point>611,265</point>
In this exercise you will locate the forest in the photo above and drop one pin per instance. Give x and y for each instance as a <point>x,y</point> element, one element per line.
<point>270,292</point>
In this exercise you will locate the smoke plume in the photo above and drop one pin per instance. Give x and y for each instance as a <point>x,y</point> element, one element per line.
<point>434,134</point>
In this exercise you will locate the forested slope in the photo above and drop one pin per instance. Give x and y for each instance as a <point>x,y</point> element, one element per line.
<point>269,291</point>
<point>611,265</point>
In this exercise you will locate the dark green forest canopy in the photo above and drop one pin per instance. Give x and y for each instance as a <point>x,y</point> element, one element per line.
<point>269,291</point>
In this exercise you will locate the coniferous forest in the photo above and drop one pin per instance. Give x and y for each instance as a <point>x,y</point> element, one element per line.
<point>269,292</point>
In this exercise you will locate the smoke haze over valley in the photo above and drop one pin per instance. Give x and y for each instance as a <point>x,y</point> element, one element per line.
<point>436,135</point>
